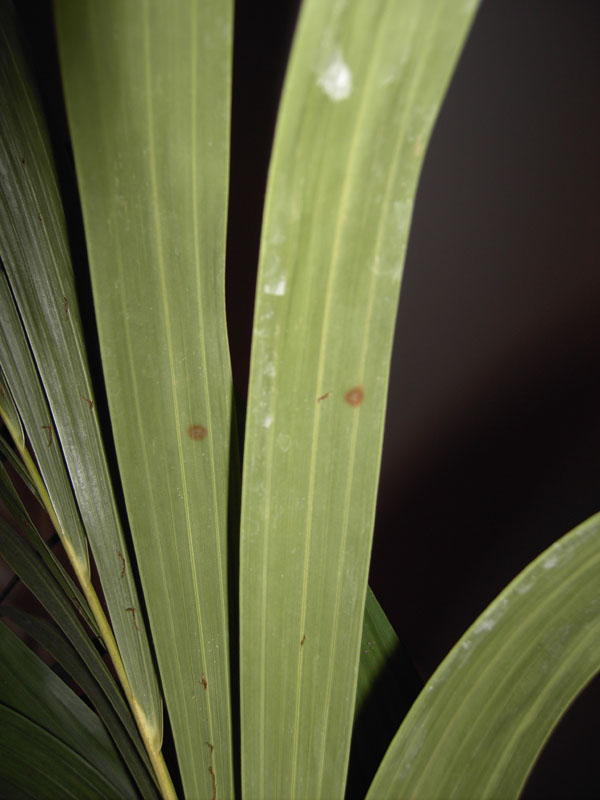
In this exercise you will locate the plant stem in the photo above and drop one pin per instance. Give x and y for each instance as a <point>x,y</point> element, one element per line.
<point>155,754</point>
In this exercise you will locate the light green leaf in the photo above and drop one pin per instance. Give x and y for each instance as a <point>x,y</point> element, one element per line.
<point>34,251</point>
<point>30,688</point>
<point>481,721</point>
<point>364,85</point>
<point>147,88</point>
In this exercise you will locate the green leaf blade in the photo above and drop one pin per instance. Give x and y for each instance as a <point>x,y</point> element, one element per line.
<point>30,688</point>
<point>364,85</point>
<point>100,689</point>
<point>147,89</point>
<point>23,379</point>
<point>9,413</point>
<point>37,764</point>
<point>481,721</point>
<point>34,250</point>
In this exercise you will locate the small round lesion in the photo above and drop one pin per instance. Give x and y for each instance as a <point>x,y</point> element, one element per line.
<point>197,432</point>
<point>354,396</point>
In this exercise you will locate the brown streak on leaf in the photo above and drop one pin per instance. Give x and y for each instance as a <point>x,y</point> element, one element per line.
<point>120,554</point>
<point>214,782</point>
<point>323,397</point>
<point>204,682</point>
<point>88,401</point>
<point>133,615</point>
<point>49,429</point>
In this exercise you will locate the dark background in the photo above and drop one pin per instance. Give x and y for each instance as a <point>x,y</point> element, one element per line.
<point>492,443</point>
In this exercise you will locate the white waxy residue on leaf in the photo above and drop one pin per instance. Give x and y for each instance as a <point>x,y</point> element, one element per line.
<point>336,78</point>
<point>276,287</point>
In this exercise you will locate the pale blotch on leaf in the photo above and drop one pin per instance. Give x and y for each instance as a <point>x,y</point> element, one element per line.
<point>276,287</point>
<point>267,421</point>
<point>336,78</point>
<point>284,441</point>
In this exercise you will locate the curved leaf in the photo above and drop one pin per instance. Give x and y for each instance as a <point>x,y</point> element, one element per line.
<point>481,721</point>
<point>35,763</point>
<point>363,88</point>
<point>36,576</point>
<point>100,689</point>
<point>29,687</point>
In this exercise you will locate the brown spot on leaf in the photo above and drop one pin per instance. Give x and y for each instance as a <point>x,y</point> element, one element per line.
<point>302,640</point>
<point>323,397</point>
<point>197,432</point>
<point>354,397</point>
<point>204,681</point>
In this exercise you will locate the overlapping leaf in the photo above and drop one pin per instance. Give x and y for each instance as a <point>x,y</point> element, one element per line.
<point>481,721</point>
<point>91,675</point>
<point>34,251</point>
<point>147,88</point>
<point>31,689</point>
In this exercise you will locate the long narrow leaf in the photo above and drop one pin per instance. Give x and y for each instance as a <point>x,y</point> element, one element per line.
<point>147,88</point>
<point>379,648</point>
<point>34,251</point>
<point>388,684</point>
<point>364,85</point>
<point>38,764</point>
<point>14,505</point>
<point>16,463</point>
<point>9,413</point>
<point>22,377</point>
<point>481,721</point>
<point>30,687</point>
<point>36,576</point>
<point>65,654</point>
